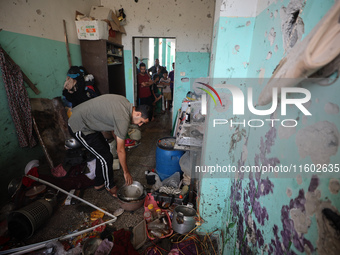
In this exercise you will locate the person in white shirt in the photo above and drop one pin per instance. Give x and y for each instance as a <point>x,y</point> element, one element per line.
<point>165,82</point>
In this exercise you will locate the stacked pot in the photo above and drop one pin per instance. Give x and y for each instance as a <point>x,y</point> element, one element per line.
<point>131,197</point>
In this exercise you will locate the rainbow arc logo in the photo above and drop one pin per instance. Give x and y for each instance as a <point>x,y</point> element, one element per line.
<point>204,97</point>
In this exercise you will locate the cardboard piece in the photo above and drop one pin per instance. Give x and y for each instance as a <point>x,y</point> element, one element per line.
<point>93,31</point>
<point>117,22</point>
<point>115,37</point>
<point>114,34</point>
<point>101,13</point>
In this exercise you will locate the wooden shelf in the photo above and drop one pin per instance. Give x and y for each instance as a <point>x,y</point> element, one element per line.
<point>113,64</point>
<point>109,78</point>
<point>114,55</point>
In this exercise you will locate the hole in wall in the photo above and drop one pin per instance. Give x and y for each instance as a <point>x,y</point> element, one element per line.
<point>292,28</point>
<point>295,16</point>
<point>292,24</point>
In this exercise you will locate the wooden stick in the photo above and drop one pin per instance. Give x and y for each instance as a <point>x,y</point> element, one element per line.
<point>66,42</point>
<point>26,79</point>
<point>48,157</point>
<point>30,84</point>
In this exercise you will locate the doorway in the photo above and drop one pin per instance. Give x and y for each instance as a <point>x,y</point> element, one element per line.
<point>147,49</point>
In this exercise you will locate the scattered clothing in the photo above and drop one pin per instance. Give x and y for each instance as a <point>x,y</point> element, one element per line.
<point>122,244</point>
<point>79,86</point>
<point>104,248</point>
<point>18,101</point>
<point>28,181</point>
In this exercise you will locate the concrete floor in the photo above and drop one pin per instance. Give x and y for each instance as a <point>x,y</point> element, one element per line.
<point>67,219</point>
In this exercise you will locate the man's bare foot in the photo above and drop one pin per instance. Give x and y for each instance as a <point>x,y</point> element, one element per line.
<point>99,188</point>
<point>113,191</point>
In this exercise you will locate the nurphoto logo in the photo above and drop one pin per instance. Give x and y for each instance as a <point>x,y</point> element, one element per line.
<point>238,104</point>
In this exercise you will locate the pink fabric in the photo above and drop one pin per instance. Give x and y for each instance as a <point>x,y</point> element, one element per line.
<point>58,171</point>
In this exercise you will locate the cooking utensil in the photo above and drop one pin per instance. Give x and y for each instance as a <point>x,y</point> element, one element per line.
<point>132,192</point>
<point>91,245</point>
<point>131,205</point>
<point>72,143</point>
<point>35,190</point>
<point>14,186</point>
<point>141,197</point>
<point>31,164</point>
<point>183,220</point>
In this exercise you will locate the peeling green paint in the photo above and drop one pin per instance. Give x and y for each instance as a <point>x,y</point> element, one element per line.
<point>45,63</point>
<point>249,205</point>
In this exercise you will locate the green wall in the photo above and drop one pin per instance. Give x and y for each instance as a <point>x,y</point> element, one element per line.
<point>45,63</point>
<point>194,65</point>
<point>278,214</point>
<point>129,80</point>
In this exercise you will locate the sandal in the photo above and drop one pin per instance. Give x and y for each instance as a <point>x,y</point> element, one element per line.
<point>114,192</point>
<point>99,188</point>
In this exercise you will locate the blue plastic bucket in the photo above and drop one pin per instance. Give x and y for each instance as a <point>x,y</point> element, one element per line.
<point>167,159</point>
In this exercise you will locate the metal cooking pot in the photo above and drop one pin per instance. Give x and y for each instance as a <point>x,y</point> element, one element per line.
<point>90,246</point>
<point>132,192</point>
<point>183,220</point>
<point>73,143</point>
<point>14,186</point>
<point>131,205</point>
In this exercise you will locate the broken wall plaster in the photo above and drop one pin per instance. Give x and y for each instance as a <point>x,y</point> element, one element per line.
<point>269,55</point>
<point>331,108</point>
<point>328,240</point>
<point>319,141</point>
<point>301,221</point>
<point>226,102</point>
<point>272,36</point>
<point>296,220</point>
<point>292,25</point>
<point>299,179</point>
<point>261,75</point>
<point>286,132</point>
<point>334,186</point>
<point>255,188</point>
<point>289,192</point>
<point>296,217</point>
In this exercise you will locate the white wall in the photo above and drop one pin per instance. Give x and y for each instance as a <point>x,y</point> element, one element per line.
<point>189,21</point>
<point>43,18</point>
<point>142,48</point>
<point>262,5</point>
<point>236,8</point>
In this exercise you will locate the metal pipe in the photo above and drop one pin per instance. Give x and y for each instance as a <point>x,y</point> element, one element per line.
<point>71,195</point>
<point>34,247</point>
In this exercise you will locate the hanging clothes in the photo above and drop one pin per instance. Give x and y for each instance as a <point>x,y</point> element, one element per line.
<point>18,101</point>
